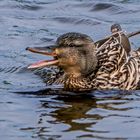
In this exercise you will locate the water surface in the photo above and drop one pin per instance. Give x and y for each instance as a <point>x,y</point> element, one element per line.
<point>30,111</point>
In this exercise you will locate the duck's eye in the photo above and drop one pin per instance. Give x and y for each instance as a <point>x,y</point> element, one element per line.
<point>71,45</point>
<point>76,45</point>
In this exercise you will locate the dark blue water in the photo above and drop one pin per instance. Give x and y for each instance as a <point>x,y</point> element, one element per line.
<point>27,111</point>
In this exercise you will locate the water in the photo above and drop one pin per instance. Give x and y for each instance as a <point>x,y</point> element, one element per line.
<point>27,110</point>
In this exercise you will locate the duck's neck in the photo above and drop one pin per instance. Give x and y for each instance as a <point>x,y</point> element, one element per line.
<point>74,82</point>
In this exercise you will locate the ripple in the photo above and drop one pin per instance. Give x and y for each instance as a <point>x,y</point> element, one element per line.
<point>30,7</point>
<point>76,21</point>
<point>45,39</point>
<point>36,2</point>
<point>102,6</point>
<point>111,8</point>
<point>94,6</point>
<point>13,69</point>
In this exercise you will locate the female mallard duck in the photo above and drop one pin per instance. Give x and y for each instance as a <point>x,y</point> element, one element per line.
<point>88,65</point>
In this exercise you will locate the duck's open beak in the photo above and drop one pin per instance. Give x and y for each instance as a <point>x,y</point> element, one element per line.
<point>49,51</point>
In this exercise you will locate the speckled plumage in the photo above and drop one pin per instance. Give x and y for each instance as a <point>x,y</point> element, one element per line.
<point>116,69</point>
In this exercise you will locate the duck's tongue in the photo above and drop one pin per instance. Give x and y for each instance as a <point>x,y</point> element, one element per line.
<point>44,51</point>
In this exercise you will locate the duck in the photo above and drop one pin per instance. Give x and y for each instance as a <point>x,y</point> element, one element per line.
<point>90,65</point>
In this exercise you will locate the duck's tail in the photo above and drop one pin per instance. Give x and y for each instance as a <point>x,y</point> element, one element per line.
<point>133,34</point>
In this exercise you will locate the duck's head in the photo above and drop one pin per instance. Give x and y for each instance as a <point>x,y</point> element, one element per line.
<point>73,52</point>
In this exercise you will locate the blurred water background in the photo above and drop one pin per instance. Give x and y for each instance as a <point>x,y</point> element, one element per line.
<point>27,111</point>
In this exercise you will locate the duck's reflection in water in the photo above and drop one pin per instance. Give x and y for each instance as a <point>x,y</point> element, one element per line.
<point>60,112</point>
<point>75,111</point>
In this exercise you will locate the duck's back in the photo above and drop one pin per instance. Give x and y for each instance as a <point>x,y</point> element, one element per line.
<point>116,70</point>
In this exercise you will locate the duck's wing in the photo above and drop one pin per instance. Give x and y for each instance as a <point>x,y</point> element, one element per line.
<point>116,69</point>
<point>111,55</point>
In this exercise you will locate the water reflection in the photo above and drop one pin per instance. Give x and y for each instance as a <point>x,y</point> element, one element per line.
<point>75,114</point>
<point>80,113</point>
